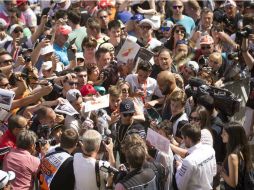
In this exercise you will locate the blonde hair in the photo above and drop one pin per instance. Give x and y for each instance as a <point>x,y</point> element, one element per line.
<point>215,56</point>
<point>179,96</point>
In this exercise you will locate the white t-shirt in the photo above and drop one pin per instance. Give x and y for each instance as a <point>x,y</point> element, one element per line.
<point>206,137</point>
<point>84,171</point>
<point>150,87</point>
<point>30,18</point>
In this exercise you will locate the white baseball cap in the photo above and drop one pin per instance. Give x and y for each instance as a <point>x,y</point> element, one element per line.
<point>46,50</point>
<point>148,21</point>
<point>14,26</point>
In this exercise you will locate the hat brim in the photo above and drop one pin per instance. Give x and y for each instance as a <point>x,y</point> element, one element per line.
<point>131,111</point>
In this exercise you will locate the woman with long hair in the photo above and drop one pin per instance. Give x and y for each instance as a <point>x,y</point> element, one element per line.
<point>238,159</point>
<point>178,33</point>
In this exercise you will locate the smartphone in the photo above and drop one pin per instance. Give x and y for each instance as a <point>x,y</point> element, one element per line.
<point>49,36</point>
<point>72,42</point>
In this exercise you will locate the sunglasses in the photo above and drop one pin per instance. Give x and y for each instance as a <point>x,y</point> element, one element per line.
<point>8,61</point>
<point>196,119</point>
<point>72,83</point>
<point>80,59</point>
<point>124,90</point>
<point>5,85</point>
<point>206,47</point>
<point>18,30</point>
<point>128,114</point>
<point>180,31</point>
<point>163,29</point>
<point>177,7</point>
<point>101,17</point>
<point>145,27</point>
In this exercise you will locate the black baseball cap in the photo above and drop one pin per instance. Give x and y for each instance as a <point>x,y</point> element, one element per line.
<point>127,106</point>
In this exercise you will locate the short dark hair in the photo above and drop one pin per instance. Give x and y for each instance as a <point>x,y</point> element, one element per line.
<point>165,50</point>
<point>74,16</point>
<point>13,122</point>
<point>135,156</point>
<point>191,131</point>
<point>101,51</point>
<point>88,42</point>
<point>93,23</point>
<point>114,24</point>
<point>42,112</point>
<point>69,138</point>
<point>60,14</point>
<point>145,66</point>
<point>79,69</point>
<point>206,10</point>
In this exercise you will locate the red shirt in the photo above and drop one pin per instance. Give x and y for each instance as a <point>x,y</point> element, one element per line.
<point>7,140</point>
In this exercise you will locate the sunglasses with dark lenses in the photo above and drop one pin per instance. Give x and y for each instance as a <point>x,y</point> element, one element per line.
<point>177,6</point>
<point>145,27</point>
<point>72,83</point>
<point>165,29</point>
<point>125,90</point>
<point>180,31</point>
<point>9,61</point>
<point>5,85</point>
<point>196,119</point>
<point>128,114</point>
<point>80,59</point>
<point>18,30</point>
<point>206,47</point>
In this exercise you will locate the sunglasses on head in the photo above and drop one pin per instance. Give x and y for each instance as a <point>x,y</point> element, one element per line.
<point>196,119</point>
<point>206,47</point>
<point>128,114</point>
<point>177,6</point>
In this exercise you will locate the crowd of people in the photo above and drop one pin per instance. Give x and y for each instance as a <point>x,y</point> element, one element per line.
<point>58,57</point>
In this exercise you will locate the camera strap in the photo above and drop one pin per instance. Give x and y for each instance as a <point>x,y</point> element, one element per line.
<point>97,174</point>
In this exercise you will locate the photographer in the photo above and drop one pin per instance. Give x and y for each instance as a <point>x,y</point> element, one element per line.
<point>232,17</point>
<point>249,59</point>
<point>87,177</point>
<point>61,176</point>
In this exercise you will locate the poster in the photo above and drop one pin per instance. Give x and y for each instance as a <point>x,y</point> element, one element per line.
<point>158,141</point>
<point>97,103</point>
<point>66,108</point>
<point>6,98</point>
<point>128,51</point>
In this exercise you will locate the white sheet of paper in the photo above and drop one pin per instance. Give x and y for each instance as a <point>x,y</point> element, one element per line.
<point>6,98</point>
<point>66,108</point>
<point>128,51</point>
<point>158,141</point>
<point>97,103</point>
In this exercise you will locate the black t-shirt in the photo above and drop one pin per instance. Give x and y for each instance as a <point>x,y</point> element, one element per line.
<point>64,178</point>
<point>125,130</point>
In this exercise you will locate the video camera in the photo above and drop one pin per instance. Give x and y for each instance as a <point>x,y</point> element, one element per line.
<point>224,100</point>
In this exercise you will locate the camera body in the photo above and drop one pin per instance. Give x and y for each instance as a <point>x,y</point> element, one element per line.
<point>245,32</point>
<point>224,100</point>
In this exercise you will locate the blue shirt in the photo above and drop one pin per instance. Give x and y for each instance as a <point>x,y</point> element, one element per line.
<point>61,53</point>
<point>187,22</point>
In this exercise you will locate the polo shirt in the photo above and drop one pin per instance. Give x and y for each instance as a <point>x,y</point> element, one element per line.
<point>24,165</point>
<point>61,53</point>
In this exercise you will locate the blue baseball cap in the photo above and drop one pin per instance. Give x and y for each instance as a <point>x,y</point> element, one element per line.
<point>124,16</point>
<point>137,17</point>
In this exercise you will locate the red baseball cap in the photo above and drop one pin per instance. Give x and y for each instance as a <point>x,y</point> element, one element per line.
<point>20,2</point>
<point>88,89</point>
<point>64,30</point>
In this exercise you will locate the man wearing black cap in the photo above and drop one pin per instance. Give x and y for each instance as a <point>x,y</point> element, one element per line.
<point>127,126</point>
